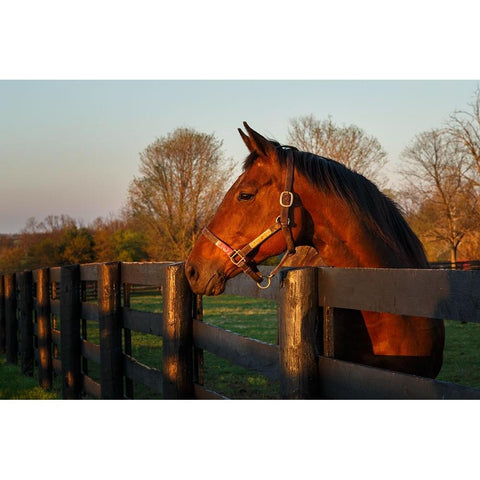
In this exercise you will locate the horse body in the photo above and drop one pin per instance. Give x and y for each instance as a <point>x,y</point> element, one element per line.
<point>349,223</point>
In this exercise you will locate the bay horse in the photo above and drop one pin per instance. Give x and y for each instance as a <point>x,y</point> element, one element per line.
<point>345,218</point>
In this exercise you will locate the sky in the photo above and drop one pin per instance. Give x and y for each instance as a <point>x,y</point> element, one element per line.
<point>72,146</point>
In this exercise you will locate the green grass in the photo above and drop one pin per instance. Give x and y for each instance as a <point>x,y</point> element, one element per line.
<point>252,318</point>
<point>15,386</point>
<point>248,317</point>
<point>461,361</point>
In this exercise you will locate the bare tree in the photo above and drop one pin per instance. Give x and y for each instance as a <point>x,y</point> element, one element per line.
<point>182,181</point>
<point>349,145</point>
<point>464,128</point>
<point>444,204</point>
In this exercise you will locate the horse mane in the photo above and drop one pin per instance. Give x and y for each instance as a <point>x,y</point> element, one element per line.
<point>381,214</point>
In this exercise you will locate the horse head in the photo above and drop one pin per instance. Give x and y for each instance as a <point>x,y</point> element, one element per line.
<point>247,226</point>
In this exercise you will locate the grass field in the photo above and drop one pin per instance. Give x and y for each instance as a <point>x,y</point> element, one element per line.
<point>253,318</point>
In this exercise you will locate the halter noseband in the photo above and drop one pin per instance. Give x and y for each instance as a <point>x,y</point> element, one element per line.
<point>240,257</point>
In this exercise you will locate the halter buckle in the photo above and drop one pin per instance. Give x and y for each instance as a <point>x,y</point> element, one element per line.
<point>240,261</point>
<point>288,201</point>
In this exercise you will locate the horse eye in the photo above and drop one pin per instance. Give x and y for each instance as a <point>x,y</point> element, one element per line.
<point>243,196</point>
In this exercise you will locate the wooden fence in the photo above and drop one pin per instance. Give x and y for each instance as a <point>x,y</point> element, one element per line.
<point>43,317</point>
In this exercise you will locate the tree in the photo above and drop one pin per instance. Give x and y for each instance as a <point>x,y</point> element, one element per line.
<point>464,129</point>
<point>181,182</point>
<point>77,246</point>
<point>349,145</point>
<point>116,239</point>
<point>444,204</point>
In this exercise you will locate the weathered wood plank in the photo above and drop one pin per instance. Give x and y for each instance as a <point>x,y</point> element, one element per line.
<point>55,307</point>
<point>25,320</point>
<point>144,322</point>
<point>2,316</point>
<point>177,334</point>
<point>70,331</point>
<point>345,380</point>
<point>90,351</point>
<point>89,272</point>
<point>55,336</point>
<point>202,393</point>
<point>109,304</point>
<point>91,387</point>
<point>244,286</point>
<point>11,321</point>
<point>43,328</point>
<point>298,324</point>
<point>249,353</point>
<point>89,311</point>
<point>55,274</point>
<point>57,366</point>
<point>443,294</point>
<point>138,372</point>
<point>144,273</point>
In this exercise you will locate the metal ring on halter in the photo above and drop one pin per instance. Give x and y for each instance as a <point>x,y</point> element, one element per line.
<point>269,281</point>
<point>278,220</point>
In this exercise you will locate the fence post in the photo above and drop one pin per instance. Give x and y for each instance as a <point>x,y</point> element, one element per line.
<point>70,346</point>
<point>25,320</point>
<point>2,315</point>
<point>109,303</point>
<point>127,338</point>
<point>11,322</point>
<point>298,324</point>
<point>177,334</point>
<point>44,329</point>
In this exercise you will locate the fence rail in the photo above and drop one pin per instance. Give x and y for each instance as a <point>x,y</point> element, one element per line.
<point>44,316</point>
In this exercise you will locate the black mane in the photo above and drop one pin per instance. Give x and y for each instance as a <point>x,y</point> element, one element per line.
<point>379,212</point>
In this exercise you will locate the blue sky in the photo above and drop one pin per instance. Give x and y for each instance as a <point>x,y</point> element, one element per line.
<point>73,146</point>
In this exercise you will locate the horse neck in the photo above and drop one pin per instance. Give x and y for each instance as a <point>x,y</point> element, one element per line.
<point>341,236</point>
<point>342,240</point>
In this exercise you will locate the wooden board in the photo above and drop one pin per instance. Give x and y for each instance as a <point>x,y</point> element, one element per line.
<point>144,273</point>
<point>202,393</point>
<point>89,311</point>
<point>56,337</point>
<point>345,380</point>
<point>55,307</point>
<point>242,285</point>
<point>90,351</point>
<point>150,377</point>
<point>57,366</point>
<point>144,322</point>
<point>443,294</point>
<point>252,354</point>
<point>88,272</point>
<point>91,387</point>
<point>55,274</point>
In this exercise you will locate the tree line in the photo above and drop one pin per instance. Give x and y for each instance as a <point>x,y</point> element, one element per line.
<point>184,175</point>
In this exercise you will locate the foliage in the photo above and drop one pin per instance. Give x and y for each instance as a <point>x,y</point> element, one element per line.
<point>349,145</point>
<point>61,240</point>
<point>444,202</point>
<point>182,179</point>
<point>464,129</point>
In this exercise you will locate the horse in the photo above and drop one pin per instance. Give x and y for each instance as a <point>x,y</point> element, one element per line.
<point>340,219</point>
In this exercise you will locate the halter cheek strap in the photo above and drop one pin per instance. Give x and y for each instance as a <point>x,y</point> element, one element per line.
<point>240,257</point>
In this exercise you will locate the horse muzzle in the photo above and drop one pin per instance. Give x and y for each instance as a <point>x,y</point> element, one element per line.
<point>204,281</point>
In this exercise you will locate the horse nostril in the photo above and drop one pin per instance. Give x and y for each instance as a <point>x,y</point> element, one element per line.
<point>191,273</point>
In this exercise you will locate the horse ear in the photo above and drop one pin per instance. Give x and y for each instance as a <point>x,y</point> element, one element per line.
<point>256,142</point>
<point>246,140</point>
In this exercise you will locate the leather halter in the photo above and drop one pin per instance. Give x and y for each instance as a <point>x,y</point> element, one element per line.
<point>240,257</point>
